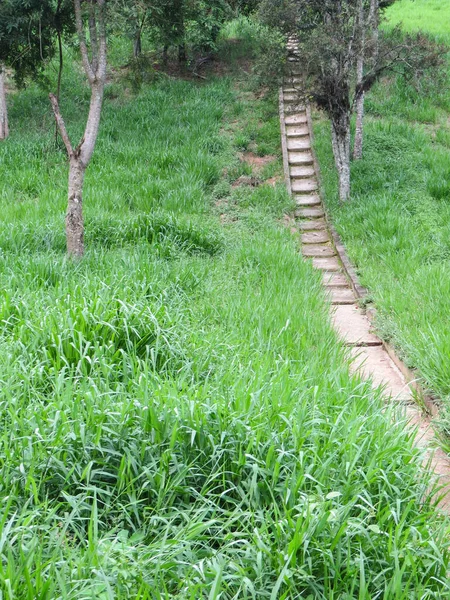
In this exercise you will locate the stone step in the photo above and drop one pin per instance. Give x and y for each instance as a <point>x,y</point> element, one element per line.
<point>318,251</point>
<point>293,59</point>
<point>335,280</point>
<point>296,119</point>
<point>299,172</point>
<point>354,327</point>
<point>310,213</point>
<point>304,186</point>
<point>316,237</point>
<point>298,143</point>
<point>340,295</point>
<point>290,90</point>
<point>307,200</point>
<point>298,131</point>
<point>300,158</point>
<point>376,364</point>
<point>293,108</point>
<point>327,264</point>
<point>313,225</point>
<point>291,97</point>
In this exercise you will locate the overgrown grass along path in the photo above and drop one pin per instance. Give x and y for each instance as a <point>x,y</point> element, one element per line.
<point>178,420</point>
<point>397,226</point>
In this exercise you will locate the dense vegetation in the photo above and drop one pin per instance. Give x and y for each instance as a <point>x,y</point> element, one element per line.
<point>178,419</point>
<point>397,226</point>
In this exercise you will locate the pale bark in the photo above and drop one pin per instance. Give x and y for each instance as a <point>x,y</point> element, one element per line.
<point>79,157</point>
<point>358,144</point>
<point>340,133</point>
<point>4,126</point>
<point>372,26</point>
<point>74,216</point>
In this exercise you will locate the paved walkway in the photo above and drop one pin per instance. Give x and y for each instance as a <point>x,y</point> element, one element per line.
<point>370,357</point>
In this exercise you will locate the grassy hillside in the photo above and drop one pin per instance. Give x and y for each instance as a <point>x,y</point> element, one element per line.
<point>397,227</point>
<point>432,16</point>
<point>178,420</point>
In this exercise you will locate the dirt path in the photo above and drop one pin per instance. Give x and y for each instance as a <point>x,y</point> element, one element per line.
<point>320,244</point>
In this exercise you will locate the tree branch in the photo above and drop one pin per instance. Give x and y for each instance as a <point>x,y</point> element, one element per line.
<point>82,40</point>
<point>61,125</point>
<point>93,36</point>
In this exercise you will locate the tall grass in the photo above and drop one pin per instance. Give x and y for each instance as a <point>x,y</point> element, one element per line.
<point>178,420</point>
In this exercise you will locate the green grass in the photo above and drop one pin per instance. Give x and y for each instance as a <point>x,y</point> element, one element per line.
<point>431,16</point>
<point>397,227</point>
<point>178,420</point>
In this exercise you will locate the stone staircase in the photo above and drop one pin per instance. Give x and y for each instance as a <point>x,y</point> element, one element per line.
<point>369,354</point>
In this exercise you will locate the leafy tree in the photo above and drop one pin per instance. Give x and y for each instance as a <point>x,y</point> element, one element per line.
<point>28,34</point>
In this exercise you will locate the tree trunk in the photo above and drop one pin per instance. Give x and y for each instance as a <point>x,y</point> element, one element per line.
<point>137,44</point>
<point>79,157</point>
<point>182,57</point>
<point>4,127</point>
<point>74,216</point>
<point>358,144</point>
<point>359,129</point>
<point>341,149</point>
<point>370,27</point>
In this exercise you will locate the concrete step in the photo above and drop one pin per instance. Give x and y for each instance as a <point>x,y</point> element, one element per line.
<point>354,327</point>
<point>293,108</point>
<point>327,264</point>
<point>376,364</point>
<point>335,280</point>
<point>304,186</point>
<point>296,119</point>
<point>318,251</point>
<point>340,295</point>
<point>300,158</point>
<point>299,143</point>
<point>299,131</point>
<point>302,172</point>
<point>316,237</point>
<point>312,225</point>
<point>310,213</point>
<point>307,200</point>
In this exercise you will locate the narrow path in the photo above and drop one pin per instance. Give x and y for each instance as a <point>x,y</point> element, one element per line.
<point>370,357</point>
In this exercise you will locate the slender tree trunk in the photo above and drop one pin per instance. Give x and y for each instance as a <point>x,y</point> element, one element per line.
<point>182,58</point>
<point>137,44</point>
<point>4,126</point>
<point>79,157</point>
<point>359,129</point>
<point>341,147</point>
<point>60,72</point>
<point>74,216</point>
<point>358,144</point>
<point>370,26</point>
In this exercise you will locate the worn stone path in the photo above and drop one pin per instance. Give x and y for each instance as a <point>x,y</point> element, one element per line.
<point>370,357</point>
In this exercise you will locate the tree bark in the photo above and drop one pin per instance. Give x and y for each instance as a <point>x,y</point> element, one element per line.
<point>370,26</point>
<point>358,144</point>
<point>137,44</point>
<point>340,131</point>
<point>74,216</point>
<point>4,126</point>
